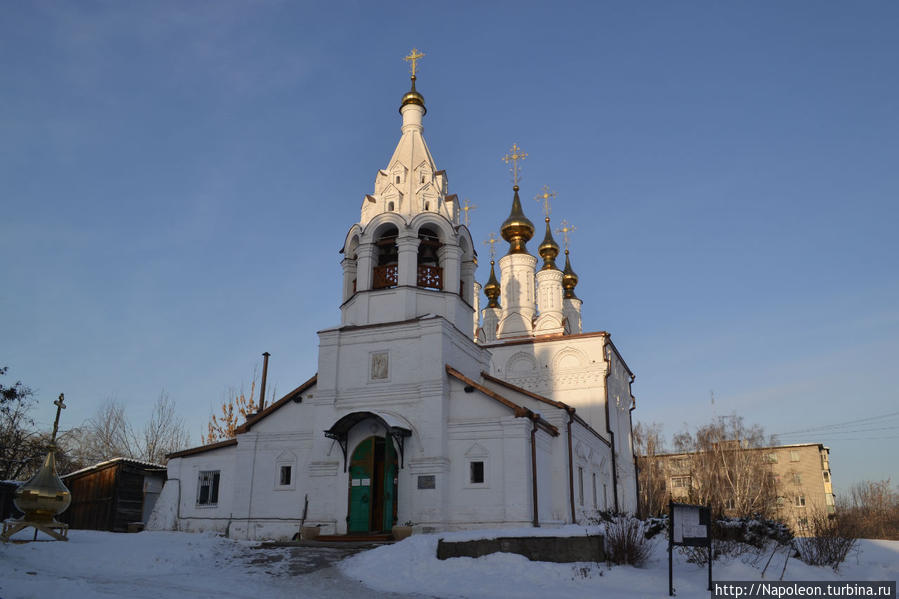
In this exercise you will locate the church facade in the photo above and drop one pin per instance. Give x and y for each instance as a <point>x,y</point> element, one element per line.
<point>424,408</point>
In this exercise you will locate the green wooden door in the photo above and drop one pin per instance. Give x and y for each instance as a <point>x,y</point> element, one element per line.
<point>389,485</point>
<point>361,469</point>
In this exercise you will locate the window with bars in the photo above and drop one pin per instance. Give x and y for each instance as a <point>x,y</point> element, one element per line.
<point>208,487</point>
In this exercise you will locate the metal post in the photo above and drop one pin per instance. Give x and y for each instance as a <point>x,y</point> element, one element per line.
<point>265,356</point>
<point>670,544</point>
<point>709,536</point>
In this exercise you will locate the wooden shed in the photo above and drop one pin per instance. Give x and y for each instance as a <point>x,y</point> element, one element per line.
<point>114,494</point>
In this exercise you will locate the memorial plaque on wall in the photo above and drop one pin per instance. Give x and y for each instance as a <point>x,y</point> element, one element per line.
<point>428,481</point>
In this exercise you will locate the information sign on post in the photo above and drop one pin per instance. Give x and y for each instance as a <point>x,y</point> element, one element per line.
<point>688,526</point>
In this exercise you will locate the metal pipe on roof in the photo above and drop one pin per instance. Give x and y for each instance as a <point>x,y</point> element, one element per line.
<point>265,356</point>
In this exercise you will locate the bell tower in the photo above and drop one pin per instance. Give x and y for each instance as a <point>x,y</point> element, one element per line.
<point>410,254</point>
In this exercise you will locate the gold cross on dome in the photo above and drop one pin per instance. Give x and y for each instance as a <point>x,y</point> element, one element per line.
<point>413,57</point>
<point>467,206</point>
<point>565,229</point>
<point>515,155</point>
<point>491,241</point>
<point>546,196</point>
<point>60,406</point>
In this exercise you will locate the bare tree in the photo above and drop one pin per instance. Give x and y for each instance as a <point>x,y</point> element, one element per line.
<point>164,433</point>
<point>21,450</point>
<point>728,469</point>
<point>234,410</point>
<point>109,434</point>
<point>874,508</point>
<point>648,444</point>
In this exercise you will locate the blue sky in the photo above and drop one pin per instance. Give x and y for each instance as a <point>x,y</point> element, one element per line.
<point>177,178</point>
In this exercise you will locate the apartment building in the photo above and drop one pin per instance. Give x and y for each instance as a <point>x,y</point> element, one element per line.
<point>800,474</point>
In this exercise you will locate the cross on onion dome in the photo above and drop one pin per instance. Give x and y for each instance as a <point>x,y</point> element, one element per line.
<point>514,156</point>
<point>491,242</point>
<point>565,229</point>
<point>414,56</point>
<point>466,207</point>
<point>546,196</point>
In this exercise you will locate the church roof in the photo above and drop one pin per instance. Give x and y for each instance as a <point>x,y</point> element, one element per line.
<point>552,402</point>
<point>291,396</point>
<point>202,448</point>
<point>561,337</point>
<point>520,411</point>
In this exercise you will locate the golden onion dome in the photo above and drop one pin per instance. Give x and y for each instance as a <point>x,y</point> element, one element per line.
<point>44,495</point>
<point>517,229</point>
<point>413,97</point>
<point>569,279</point>
<point>492,289</point>
<point>549,249</point>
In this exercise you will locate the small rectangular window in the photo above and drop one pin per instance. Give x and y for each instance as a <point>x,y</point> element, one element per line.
<point>794,455</point>
<point>772,458</point>
<point>285,476</point>
<point>826,476</point>
<point>803,523</point>
<point>797,478</point>
<point>680,482</point>
<point>800,501</point>
<point>476,475</point>
<point>208,491</point>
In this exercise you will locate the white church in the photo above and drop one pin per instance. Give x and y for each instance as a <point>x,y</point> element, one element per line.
<point>425,408</point>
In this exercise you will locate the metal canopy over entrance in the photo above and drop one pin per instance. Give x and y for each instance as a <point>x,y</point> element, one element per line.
<point>340,430</point>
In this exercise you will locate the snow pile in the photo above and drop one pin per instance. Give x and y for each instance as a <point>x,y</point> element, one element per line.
<point>412,566</point>
<point>102,564</point>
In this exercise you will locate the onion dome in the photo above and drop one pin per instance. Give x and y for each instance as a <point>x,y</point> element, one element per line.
<point>517,229</point>
<point>549,249</point>
<point>44,495</point>
<point>491,289</point>
<point>413,97</point>
<point>569,279</point>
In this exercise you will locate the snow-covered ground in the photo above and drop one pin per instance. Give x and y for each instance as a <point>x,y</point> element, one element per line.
<point>164,565</point>
<point>412,566</point>
<point>169,565</point>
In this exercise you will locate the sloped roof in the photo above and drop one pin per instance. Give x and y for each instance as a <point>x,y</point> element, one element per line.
<point>519,410</point>
<point>278,404</point>
<point>101,465</point>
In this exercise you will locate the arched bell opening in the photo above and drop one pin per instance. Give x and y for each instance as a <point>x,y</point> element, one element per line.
<point>384,272</point>
<point>430,273</point>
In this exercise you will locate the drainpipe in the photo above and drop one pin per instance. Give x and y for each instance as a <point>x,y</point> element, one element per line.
<point>607,356</point>
<point>630,414</point>
<point>534,467</point>
<point>265,356</point>
<point>571,464</point>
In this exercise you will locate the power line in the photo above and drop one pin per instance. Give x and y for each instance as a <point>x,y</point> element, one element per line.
<point>839,425</point>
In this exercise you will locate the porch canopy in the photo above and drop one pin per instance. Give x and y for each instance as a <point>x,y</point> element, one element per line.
<point>396,428</point>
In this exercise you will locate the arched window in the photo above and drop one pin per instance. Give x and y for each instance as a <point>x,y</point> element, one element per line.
<point>384,272</point>
<point>397,178</point>
<point>389,206</point>
<point>427,205</point>
<point>430,274</point>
